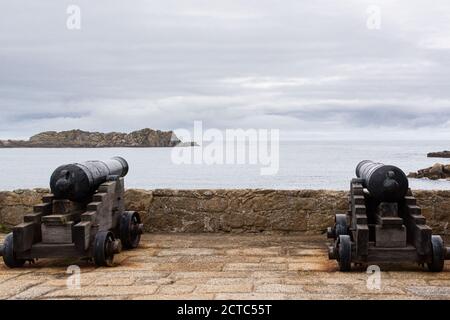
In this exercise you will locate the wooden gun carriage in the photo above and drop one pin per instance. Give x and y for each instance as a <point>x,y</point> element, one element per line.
<point>384,223</point>
<point>84,217</point>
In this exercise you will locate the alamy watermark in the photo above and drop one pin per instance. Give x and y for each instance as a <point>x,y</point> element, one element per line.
<point>373,21</point>
<point>374,278</point>
<point>230,146</point>
<point>74,280</point>
<point>73,21</point>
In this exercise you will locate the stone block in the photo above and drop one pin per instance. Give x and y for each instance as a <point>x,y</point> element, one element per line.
<point>390,237</point>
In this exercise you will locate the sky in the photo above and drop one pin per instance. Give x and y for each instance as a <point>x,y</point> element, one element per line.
<point>321,69</point>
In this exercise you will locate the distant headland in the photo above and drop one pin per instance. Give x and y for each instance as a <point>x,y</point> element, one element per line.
<point>145,138</point>
<point>439,154</point>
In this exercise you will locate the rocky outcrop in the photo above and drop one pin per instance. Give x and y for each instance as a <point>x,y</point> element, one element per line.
<point>188,144</point>
<point>244,210</point>
<point>440,154</point>
<point>84,139</point>
<point>436,172</point>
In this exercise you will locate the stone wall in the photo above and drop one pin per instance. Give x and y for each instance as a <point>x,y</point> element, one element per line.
<point>242,210</point>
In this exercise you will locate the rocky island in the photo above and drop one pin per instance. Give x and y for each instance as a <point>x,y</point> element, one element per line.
<point>436,172</point>
<point>439,154</point>
<point>145,138</point>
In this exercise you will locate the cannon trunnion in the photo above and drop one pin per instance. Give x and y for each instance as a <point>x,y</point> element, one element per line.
<point>84,217</point>
<point>384,224</point>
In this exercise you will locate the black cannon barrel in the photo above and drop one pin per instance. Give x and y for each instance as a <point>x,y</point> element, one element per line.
<point>79,181</point>
<point>384,182</point>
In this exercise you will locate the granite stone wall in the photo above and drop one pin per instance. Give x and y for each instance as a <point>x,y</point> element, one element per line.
<point>240,210</point>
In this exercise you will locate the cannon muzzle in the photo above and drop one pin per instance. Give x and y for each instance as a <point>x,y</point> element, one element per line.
<point>384,182</point>
<point>79,181</point>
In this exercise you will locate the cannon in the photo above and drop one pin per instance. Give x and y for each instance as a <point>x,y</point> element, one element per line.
<point>384,224</point>
<point>78,181</point>
<point>83,217</point>
<point>384,182</point>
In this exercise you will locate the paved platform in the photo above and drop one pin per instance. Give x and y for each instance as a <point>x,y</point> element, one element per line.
<point>222,266</point>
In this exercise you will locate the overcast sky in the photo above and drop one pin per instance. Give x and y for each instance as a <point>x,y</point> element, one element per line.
<point>310,68</point>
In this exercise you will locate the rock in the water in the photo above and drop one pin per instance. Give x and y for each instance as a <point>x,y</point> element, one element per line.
<point>412,175</point>
<point>440,154</point>
<point>85,139</point>
<point>188,144</point>
<point>437,171</point>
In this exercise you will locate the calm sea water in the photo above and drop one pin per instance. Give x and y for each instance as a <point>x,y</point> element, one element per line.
<point>302,165</point>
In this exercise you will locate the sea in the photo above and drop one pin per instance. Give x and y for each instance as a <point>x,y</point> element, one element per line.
<point>299,165</point>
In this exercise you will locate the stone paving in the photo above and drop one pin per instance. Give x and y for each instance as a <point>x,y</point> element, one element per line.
<point>221,266</point>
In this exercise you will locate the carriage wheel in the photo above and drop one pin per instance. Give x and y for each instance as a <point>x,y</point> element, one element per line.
<point>437,254</point>
<point>9,256</point>
<point>341,225</point>
<point>104,249</point>
<point>130,229</point>
<point>345,253</point>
